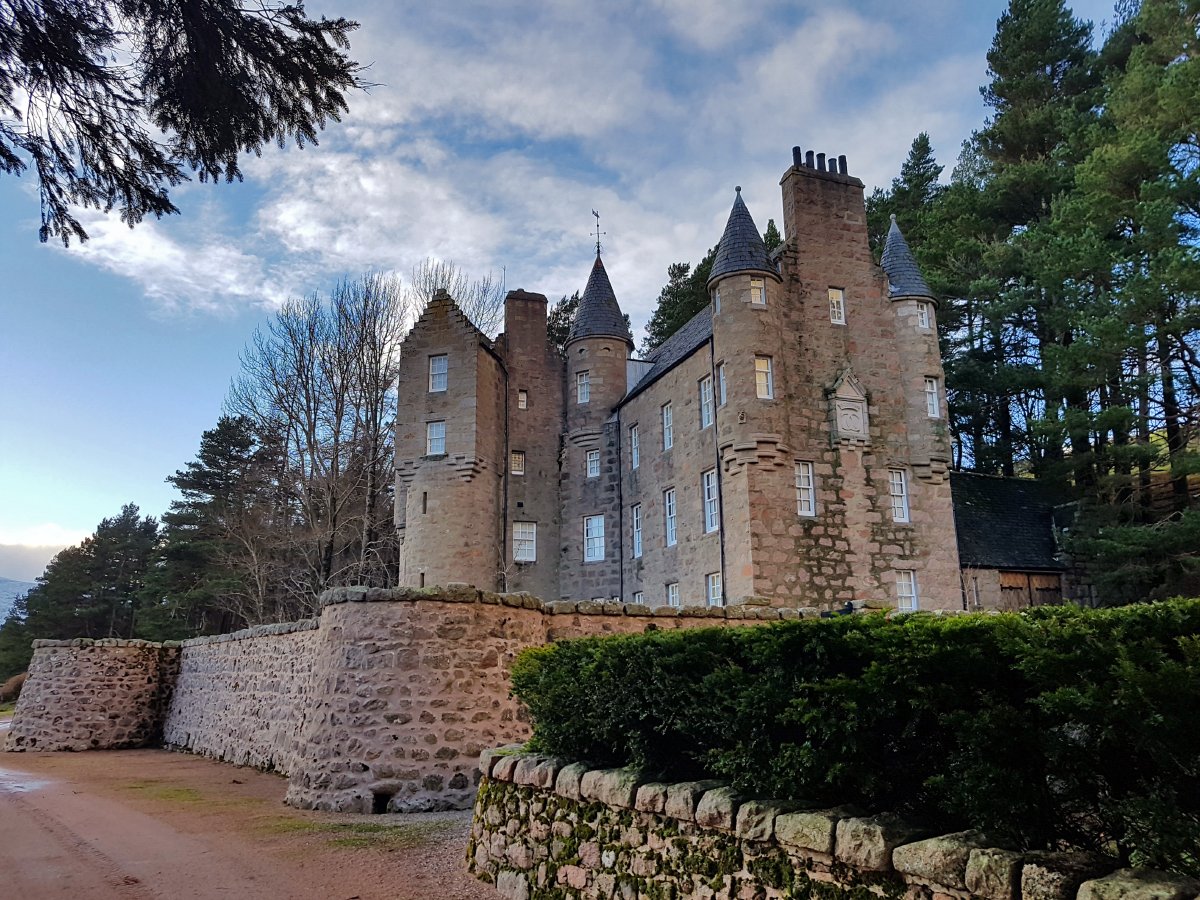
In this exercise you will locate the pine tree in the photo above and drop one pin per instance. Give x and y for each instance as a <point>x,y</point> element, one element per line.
<point>684,295</point>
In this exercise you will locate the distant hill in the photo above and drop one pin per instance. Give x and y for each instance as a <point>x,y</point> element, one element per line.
<point>9,591</point>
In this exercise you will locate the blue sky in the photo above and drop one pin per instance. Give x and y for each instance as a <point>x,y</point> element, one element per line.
<point>493,132</point>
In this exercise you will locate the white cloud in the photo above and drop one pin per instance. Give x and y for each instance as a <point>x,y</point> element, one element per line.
<point>180,266</point>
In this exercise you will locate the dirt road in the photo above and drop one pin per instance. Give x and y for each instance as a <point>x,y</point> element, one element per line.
<point>143,824</point>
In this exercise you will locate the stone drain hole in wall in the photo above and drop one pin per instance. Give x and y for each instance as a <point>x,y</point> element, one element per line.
<point>379,801</point>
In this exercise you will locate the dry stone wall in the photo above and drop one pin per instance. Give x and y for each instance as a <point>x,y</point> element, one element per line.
<point>547,829</point>
<point>245,697</point>
<point>93,695</point>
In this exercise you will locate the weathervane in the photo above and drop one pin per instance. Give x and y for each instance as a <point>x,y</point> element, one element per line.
<point>598,231</point>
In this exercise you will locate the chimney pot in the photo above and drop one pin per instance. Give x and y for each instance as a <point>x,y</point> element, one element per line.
<point>842,164</point>
<point>797,157</point>
<point>808,160</point>
<point>820,162</point>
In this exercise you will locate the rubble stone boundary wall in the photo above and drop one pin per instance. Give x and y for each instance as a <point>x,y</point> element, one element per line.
<point>243,697</point>
<point>383,702</point>
<point>94,695</point>
<point>547,829</point>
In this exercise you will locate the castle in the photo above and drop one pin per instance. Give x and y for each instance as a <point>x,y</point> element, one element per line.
<point>789,442</point>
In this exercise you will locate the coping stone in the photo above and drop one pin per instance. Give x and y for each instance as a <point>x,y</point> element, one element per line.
<point>941,860</point>
<point>718,809</point>
<point>994,874</point>
<point>651,798</point>
<point>612,787</point>
<point>568,782</point>
<point>755,821</point>
<point>505,767</point>
<point>683,797</point>
<point>1057,876</point>
<point>1140,884</point>
<point>868,842</point>
<point>812,829</point>
<point>489,757</point>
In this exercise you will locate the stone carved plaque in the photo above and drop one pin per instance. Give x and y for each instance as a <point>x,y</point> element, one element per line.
<point>848,403</point>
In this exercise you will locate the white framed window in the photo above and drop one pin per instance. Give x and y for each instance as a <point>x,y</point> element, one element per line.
<point>717,301</point>
<point>764,378</point>
<point>583,387</point>
<point>933,405</point>
<point>712,589</point>
<point>673,593</point>
<point>639,597</point>
<point>522,399</point>
<point>524,541</point>
<point>720,384</point>
<point>669,516</point>
<point>898,489</point>
<point>806,489</point>
<point>438,367</point>
<point>706,401</point>
<point>837,306</point>
<point>636,516</point>
<point>593,538</point>
<point>635,447</point>
<point>708,488</point>
<point>668,427</point>
<point>435,438</point>
<point>593,464</point>
<point>924,314</point>
<point>758,292</point>
<point>516,462</point>
<point>907,597</point>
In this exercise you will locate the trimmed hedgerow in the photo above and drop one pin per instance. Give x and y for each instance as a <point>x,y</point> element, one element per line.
<point>1058,727</point>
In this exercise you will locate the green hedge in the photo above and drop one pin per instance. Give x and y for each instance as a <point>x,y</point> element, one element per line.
<point>1058,727</point>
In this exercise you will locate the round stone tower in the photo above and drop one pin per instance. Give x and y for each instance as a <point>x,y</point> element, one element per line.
<point>598,348</point>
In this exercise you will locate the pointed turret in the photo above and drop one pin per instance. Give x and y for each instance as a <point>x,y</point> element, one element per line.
<point>599,315</point>
<point>904,277</point>
<point>741,248</point>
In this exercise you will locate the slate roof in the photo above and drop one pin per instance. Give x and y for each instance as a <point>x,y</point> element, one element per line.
<point>676,348</point>
<point>741,248</point>
<point>1003,523</point>
<point>598,314</point>
<point>904,277</point>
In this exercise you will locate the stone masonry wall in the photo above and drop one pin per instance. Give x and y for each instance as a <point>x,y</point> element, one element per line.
<point>409,687</point>
<point>546,829</point>
<point>245,697</point>
<point>93,695</point>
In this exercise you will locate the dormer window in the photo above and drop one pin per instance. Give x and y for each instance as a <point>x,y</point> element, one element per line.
<point>758,292</point>
<point>837,306</point>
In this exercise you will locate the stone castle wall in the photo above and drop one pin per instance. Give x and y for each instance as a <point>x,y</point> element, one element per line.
<point>551,830</point>
<point>244,697</point>
<point>94,695</point>
<point>384,702</point>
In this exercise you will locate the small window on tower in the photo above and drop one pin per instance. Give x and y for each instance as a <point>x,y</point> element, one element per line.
<point>438,367</point>
<point>524,541</point>
<point>518,462</point>
<point>706,401</point>
<point>593,464</point>
<point>764,378</point>
<point>435,438</point>
<point>522,399</point>
<point>837,306</point>
<point>907,597</point>
<point>933,403</point>
<point>712,589</point>
<point>583,387</point>
<point>758,292</point>
<point>717,301</point>
<point>924,314</point>
<point>673,594</point>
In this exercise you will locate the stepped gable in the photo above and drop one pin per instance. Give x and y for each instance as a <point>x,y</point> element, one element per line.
<point>676,348</point>
<point>1004,523</point>
<point>903,274</point>
<point>599,314</point>
<point>741,248</point>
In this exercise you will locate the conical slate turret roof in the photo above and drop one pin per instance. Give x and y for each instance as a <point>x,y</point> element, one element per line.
<point>598,314</point>
<point>741,248</point>
<point>904,277</point>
